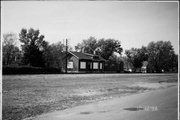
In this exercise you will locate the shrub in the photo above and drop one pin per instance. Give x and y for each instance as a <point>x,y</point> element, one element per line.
<point>29,70</point>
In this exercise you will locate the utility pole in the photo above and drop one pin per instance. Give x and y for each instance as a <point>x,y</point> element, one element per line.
<point>66,53</point>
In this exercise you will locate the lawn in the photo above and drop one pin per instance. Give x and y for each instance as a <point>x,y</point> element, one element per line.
<point>30,95</point>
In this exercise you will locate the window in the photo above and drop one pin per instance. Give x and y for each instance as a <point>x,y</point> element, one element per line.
<point>95,65</point>
<point>100,65</point>
<point>83,65</point>
<point>70,65</point>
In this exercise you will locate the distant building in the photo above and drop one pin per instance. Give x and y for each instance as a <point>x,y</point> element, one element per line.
<point>79,62</point>
<point>144,67</point>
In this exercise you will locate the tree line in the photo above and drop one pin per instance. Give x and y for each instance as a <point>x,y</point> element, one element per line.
<point>160,56</point>
<point>35,51</point>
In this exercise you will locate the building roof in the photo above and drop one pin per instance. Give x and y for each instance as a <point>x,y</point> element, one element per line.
<point>80,55</point>
<point>86,56</point>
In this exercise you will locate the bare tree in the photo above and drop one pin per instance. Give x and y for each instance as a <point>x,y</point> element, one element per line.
<point>10,51</point>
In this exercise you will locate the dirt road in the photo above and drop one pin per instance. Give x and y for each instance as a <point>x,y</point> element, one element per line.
<point>158,104</point>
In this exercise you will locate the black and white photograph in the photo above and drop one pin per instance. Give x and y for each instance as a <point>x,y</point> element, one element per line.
<point>89,60</point>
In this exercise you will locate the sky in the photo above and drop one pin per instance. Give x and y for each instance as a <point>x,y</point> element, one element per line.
<point>134,24</point>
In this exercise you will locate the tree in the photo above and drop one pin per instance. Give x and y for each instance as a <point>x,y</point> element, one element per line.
<point>127,64</point>
<point>103,47</point>
<point>33,45</point>
<point>161,54</point>
<point>115,63</point>
<point>53,55</point>
<point>137,56</point>
<point>108,47</point>
<point>174,65</point>
<point>11,52</point>
<point>87,46</point>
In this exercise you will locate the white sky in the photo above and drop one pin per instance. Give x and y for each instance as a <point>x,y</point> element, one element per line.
<point>133,23</point>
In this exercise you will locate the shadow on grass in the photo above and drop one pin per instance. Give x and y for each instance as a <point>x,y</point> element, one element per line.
<point>13,113</point>
<point>19,113</point>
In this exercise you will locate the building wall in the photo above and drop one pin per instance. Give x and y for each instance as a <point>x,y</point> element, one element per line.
<point>103,64</point>
<point>98,66</point>
<point>75,64</point>
<point>90,66</point>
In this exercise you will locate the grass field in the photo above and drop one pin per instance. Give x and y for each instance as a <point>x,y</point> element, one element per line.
<point>30,95</point>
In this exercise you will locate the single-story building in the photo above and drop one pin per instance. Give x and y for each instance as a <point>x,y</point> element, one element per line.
<point>79,62</point>
<point>144,67</point>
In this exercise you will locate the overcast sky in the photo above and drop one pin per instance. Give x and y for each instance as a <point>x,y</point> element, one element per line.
<point>133,23</point>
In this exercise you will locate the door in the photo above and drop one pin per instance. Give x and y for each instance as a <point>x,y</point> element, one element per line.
<point>89,66</point>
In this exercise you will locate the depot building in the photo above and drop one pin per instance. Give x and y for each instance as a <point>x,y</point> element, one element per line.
<point>80,62</point>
